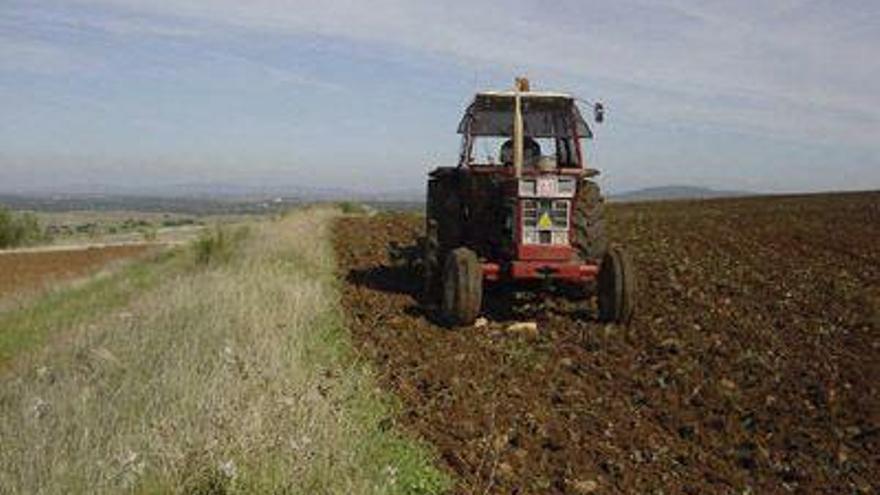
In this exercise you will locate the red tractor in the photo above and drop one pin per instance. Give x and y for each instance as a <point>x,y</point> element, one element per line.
<point>521,206</point>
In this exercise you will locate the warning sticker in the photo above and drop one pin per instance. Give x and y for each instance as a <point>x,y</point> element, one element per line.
<point>545,222</point>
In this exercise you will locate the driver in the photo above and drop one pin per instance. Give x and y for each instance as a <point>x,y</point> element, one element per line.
<point>531,152</point>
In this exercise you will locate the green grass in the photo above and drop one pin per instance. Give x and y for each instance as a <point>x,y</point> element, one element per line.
<point>235,377</point>
<point>400,463</point>
<point>26,328</point>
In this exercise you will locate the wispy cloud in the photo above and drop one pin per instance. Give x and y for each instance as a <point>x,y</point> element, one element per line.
<point>785,75</point>
<point>40,57</point>
<point>139,27</point>
<point>796,67</point>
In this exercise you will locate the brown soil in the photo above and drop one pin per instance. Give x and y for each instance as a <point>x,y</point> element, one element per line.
<point>24,271</point>
<point>752,365</point>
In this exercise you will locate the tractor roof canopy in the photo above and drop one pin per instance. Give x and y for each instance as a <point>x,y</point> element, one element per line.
<point>545,115</point>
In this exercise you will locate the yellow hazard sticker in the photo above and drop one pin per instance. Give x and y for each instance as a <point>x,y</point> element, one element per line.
<point>545,222</point>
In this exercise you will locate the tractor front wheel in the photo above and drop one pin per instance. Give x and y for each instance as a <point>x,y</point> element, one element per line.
<point>462,287</point>
<point>616,287</point>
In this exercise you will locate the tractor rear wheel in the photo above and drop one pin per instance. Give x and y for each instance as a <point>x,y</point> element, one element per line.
<point>588,223</point>
<point>617,287</point>
<point>462,287</point>
<point>431,262</point>
<point>442,231</point>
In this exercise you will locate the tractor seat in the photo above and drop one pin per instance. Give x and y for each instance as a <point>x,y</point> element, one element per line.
<point>531,152</point>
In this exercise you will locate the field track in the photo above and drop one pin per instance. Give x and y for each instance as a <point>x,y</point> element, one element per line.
<point>753,365</point>
<point>51,248</point>
<point>27,269</point>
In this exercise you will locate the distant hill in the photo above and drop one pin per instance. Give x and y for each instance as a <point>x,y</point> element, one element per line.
<point>676,192</point>
<point>259,196</point>
<point>214,190</point>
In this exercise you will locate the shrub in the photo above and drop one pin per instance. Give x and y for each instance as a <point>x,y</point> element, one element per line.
<point>351,208</point>
<point>19,229</point>
<point>177,222</point>
<point>218,245</point>
<point>149,234</point>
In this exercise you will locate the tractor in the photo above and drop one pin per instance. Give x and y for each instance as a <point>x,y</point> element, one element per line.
<point>521,207</point>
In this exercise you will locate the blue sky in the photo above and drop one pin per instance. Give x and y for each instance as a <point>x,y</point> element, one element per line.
<point>765,96</point>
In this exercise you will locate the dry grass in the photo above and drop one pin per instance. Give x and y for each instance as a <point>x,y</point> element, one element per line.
<point>230,378</point>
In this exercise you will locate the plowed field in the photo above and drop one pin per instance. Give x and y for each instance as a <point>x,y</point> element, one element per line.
<point>21,271</point>
<point>752,366</point>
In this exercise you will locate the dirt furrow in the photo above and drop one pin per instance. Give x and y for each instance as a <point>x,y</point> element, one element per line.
<point>752,366</point>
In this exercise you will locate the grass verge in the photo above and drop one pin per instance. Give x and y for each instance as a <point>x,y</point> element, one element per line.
<point>26,328</point>
<point>232,377</point>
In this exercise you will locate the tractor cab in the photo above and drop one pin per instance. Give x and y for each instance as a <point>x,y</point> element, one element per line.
<point>520,205</point>
<point>551,135</point>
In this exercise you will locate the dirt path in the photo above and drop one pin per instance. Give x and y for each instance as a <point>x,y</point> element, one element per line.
<point>55,248</point>
<point>26,270</point>
<point>752,367</point>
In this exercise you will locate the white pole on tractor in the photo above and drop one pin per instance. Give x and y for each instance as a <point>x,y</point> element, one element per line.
<point>521,84</point>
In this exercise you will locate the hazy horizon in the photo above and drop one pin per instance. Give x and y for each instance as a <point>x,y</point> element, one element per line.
<point>136,94</point>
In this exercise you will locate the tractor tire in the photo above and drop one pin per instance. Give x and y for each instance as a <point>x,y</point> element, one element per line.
<point>462,287</point>
<point>617,287</point>
<point>431,262</point>
<point>444,206</point>
<point>588,223</point>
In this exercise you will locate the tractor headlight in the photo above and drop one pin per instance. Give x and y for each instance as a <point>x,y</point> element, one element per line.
<point>559,214</point>
<point>566,186</point>
<point>528,187</point>
<point>530,213</point>
<point>531,236</point>
<point>560,237</point>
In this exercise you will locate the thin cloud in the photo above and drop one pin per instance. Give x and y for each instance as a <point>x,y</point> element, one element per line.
<point>793,79</point>
<point>139,27</point>
<point>39,57</point>
<point>793,59</point>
